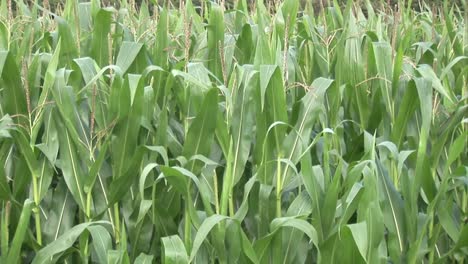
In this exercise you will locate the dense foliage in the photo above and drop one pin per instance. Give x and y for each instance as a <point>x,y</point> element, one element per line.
<point>249,135</point>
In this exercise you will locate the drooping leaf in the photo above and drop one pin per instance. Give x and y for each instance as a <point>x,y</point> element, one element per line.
<point>174,251</point>
<point>64,242</point>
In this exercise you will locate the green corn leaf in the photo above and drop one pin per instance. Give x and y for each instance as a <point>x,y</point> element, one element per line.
<point>125,143</point>
<point>13,90</point>
<point>310,105</point>
<point>4,36</point>
<point>119,186</point>
<point>383,58</point>
<point>215,31</point>
<point>27,152</point>
<point>64,242</point>
<point>393,213</point>
<point>407,107</point>
<point>4,187</point>
<point>201,132</point>
<point>422,179</point>
<point>60,213</point>
<point>68,110</point>
<point>275,103</point>
<point>343,247</point>
<point>174,251</point>
<point>99,45</point>
<point>299,224</point>
<point>144,259</point>
<point>47,86</point>
<point>101,241</point>
<point>242,124</point>
<point>203,231</point>
<point>71,166</point>
<point>20,233</point>
<point>127,54</point>
<point>95,168</point>
<point>69,50</point>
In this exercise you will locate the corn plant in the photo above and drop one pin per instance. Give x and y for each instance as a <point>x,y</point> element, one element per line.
<point>261,133</point>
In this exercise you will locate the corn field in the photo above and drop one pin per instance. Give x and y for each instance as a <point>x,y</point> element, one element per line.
<point>254,134</point>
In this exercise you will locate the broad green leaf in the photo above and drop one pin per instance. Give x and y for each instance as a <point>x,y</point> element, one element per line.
<point>351,71</point>
<point>242,124</point>
<point>64,242</point>
<point>422,179</point>
<point>245,45</point>
<point>203,232</point>
<point>71,165</point>
<point>27,152</point>
<point>20,233</point>
<point>69,115</point>
<point>215,31</point>
<point>359,233</point>
<point>127,54</point>
<point>383,59</point>
<point>275,106</point>
<point>101,241</point>
<point>4,188</point>
<point>406,110</point>
<point>310,105</point>
<point>99,44</point>
<point>262,244</point>
<point>125,143</point>
<point>173,251</point>
<point>95,168</point>
<point>6,123</point>
<point>60,213</point>
<point>47,86</point>
<point>201,132</point>
<point>429,74</point>
<point>144,259</point>
<point>394,218</point>
<point>4,36</point>
<point>341,248</point>
<point>299,224</point>
<point>12,87</point>
<point>69,50</point>
<point>119,187</point>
